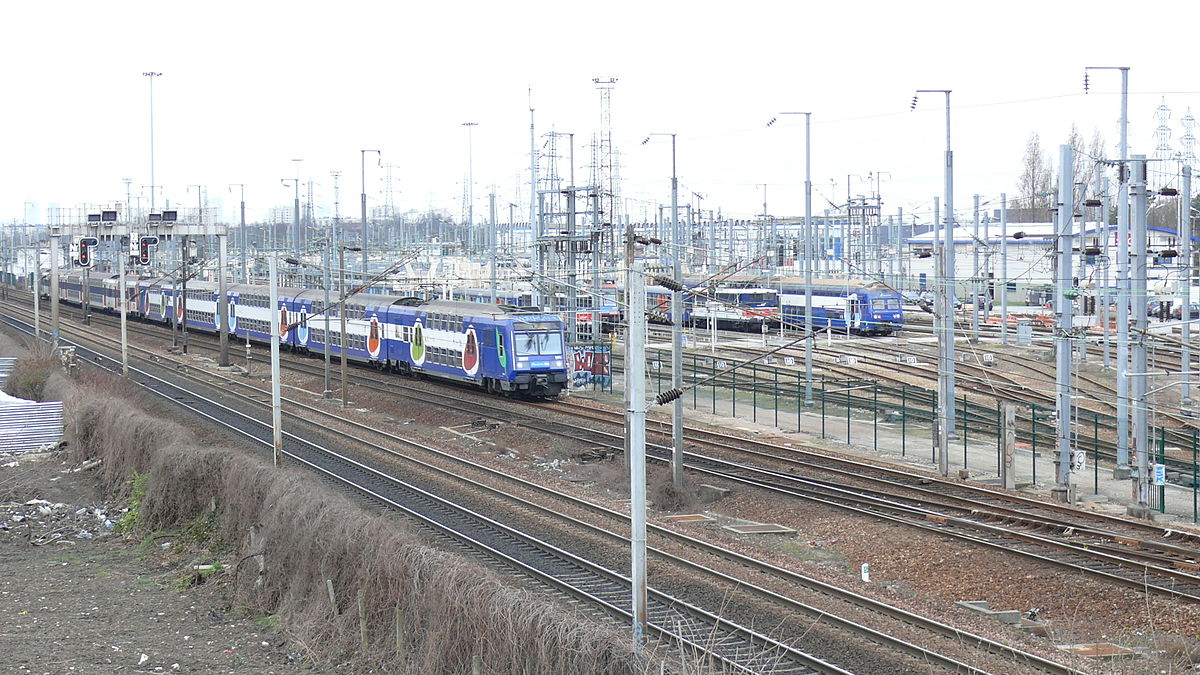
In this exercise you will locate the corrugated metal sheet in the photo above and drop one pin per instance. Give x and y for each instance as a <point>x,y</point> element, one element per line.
<point>27,425</point>
<point>6,366</point>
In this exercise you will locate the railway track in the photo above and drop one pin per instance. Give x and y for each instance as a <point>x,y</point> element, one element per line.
<point>1131,553</point>
<point>306,452</point>
<point>894,379</point>
<point>1143,556</point>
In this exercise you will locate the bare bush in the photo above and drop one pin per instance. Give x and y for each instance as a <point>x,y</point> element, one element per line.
<point>28,377</point>
<point>1184,651</point>
<point>666,497</point>
<point>307,538</point>
<point>100,423</point>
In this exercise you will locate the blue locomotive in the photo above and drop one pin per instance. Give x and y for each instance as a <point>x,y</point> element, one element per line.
<point>504,350</point>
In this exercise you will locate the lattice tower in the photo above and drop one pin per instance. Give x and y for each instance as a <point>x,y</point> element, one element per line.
<point>1188,141</point>
<point>604,164</point>
<point>337,211</point>
<point>306,218</point>
<point>389,198</point>
<point>466,198</point>
<point>548,177</point>
<point>1162,133</point>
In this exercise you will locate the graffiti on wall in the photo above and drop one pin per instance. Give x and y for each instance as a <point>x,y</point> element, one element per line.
<point>591,366</point>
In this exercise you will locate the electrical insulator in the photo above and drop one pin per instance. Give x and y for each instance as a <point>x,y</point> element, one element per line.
<point>668,283</point>
<point>668,396</point>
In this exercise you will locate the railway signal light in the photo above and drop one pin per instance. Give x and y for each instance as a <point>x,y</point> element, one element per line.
<point>144,245</point>
<point>86,244</point>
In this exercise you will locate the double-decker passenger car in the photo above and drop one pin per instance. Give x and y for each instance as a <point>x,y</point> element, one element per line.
<point>501,349</point>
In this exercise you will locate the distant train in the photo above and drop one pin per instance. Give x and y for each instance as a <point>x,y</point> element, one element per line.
<point>504,350</point>
<point>591,305</point>
<point>862,306</point>
<point>732,308</point>
<point>865,308</point>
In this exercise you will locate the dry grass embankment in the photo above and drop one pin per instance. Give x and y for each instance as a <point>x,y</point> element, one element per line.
<point>355,589</point>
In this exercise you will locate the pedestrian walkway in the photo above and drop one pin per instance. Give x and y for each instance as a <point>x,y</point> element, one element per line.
<point>905,442</point>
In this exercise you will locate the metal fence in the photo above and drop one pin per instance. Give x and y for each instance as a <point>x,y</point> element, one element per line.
<point>871,414</point>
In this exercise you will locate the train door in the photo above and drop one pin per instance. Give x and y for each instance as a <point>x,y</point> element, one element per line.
<point>853,311</point>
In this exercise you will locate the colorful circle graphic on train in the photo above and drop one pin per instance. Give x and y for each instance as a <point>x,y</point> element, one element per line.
<point>283,322</point>
<point>302,328</point>
<point>373,341</point>
<point>470,356</point>
<point>417,347</point>
<point>231,316</point>
<point>179,309</point>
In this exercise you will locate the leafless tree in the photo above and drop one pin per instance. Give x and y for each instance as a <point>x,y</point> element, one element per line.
<point>1035,184</point>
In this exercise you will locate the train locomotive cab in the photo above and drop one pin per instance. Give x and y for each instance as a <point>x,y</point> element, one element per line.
<point>538,359</point>
<point>505,350</point>
<point>879,311</point>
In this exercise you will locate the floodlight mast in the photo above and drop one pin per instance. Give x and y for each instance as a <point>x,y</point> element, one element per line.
<point>945,295</point>
<point>677,251</point>
<point>151,75</point>
<point>366,232</point>
<point>809,253</point>
<point>1122,469</point>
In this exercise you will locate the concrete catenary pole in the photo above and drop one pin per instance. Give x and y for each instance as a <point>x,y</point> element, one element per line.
<point>1185,282</point>
<point>1004,268</point>
<point>222,301</point>
<point>37,291</point>
<point>629,294</point>
<point>808,262</point>
<point>975,287</point>
<point>948,317</point>
<point>635,362</point>
<point>1064,305</point>
<point>678,249</point>
<point>122,303</point>
<point>494,244</point>
<point>276,416</point>
<point>1105,205</point>
<point>342,319</point>
<point>326,263</point>
<point>54,253</point>
<point>1138,266</point>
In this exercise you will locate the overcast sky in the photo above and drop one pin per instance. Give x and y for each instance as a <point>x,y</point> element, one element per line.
<point>248,86</point>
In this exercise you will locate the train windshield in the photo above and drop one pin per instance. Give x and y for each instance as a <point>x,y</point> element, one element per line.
<point>534,344</point>
<point>886,303</point>
<point>748,298</point>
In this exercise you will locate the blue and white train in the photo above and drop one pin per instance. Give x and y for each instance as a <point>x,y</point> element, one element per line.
<point>733,308</point>
<point>591,305</point>
<point>862,307</point>
<point>503,350</point>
